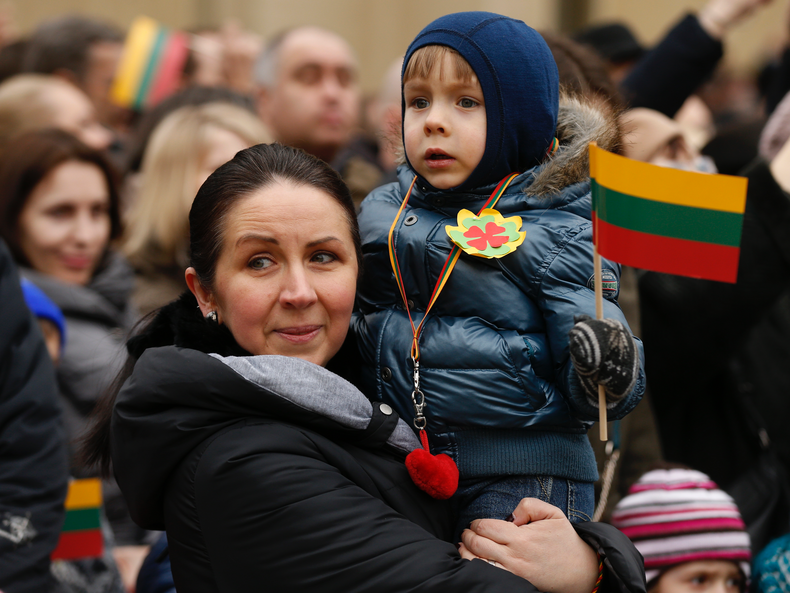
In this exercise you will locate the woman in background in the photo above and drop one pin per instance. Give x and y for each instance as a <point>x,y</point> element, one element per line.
<point>183,151</point>
<point>58,215</point>
<point>59,212</point>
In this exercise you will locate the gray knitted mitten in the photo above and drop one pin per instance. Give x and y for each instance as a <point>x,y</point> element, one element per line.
<point>603,352</point>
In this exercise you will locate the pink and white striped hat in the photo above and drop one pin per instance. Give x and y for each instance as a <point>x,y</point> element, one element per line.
<point>675,516</point>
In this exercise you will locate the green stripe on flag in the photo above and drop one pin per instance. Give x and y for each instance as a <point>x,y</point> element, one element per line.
<point>152,67</point>
<point>80,519</point>
<point>667,220</point>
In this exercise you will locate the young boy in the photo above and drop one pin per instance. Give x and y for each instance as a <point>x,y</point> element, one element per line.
<point>501,395</point>
<point>689,532</point>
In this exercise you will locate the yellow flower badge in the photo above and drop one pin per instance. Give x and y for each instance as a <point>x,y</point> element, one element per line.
<point>488,235</point>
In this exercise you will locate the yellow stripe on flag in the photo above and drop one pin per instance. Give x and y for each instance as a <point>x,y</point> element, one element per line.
<point>137,49</point>
<point>84,494</point>
<point>671,186</point>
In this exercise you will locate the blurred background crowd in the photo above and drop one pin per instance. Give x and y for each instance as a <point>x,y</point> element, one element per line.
<point>94,198</point>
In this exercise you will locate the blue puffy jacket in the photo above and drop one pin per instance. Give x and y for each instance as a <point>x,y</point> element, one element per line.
<point>502,396</point>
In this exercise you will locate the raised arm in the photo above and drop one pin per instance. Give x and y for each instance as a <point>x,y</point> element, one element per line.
<point>685,57</point>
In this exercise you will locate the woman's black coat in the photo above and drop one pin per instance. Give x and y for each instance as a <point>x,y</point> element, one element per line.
<point>274,474</point>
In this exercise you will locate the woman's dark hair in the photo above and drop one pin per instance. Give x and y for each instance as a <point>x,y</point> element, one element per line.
<point>250,170</point>
<point>27,160</point>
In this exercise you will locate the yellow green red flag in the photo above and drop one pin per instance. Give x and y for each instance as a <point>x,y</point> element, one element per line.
<point>666,220</point>
<point>151,65</point>
<point>81,535</point>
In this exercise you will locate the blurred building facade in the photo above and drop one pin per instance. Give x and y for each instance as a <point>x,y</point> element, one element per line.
<point>380,30</point>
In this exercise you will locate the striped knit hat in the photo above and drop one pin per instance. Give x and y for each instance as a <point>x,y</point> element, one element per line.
<point>676,516</point>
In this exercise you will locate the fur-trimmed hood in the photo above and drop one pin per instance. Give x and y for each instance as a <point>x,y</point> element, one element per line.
<point>581,120</point>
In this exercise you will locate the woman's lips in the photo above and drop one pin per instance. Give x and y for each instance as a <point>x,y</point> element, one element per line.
<point>299,335</point>
<point>78,262</point>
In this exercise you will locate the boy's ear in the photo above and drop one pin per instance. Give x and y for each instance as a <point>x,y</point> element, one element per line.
<point>204,298</point>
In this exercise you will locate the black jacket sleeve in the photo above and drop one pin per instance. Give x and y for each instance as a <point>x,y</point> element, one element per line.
<point>624,568</point>
<point>778,85</point>
<point>33,465</point>
<point>673,69</point>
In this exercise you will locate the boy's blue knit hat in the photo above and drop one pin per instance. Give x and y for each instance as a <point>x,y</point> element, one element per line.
<point>520,85</point>
<point>43,307</point>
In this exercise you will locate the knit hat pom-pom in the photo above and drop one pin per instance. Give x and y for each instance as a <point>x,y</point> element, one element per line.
<point>435,474</point>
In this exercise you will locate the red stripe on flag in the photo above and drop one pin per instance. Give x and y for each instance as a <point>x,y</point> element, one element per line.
<point>667,255</point>
<point>168,77</point>
<point>75,545</point>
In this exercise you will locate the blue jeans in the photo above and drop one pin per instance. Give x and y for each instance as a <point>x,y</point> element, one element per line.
<point>496,498</point>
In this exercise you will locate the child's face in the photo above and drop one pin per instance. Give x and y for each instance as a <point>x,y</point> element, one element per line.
<point>701,576</point>
<point>444,127</point>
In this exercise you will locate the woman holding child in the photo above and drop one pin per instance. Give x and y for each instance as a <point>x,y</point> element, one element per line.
<point>273,470</point>
<point>237,431</point>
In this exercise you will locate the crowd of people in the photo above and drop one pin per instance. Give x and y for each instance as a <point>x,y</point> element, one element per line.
<point>248,310</point>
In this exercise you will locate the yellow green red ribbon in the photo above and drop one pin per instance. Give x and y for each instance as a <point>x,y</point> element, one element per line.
<point>449,264</point>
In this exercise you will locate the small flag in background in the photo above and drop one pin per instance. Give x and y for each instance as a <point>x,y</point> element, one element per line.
<point>151,66</point>
<point>666,220</point>
<point>81,534</point>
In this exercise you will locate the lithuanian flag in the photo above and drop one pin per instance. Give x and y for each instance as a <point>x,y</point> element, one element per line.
<point>151,65</point>
<point>666,220</point>
<point>81,534</point>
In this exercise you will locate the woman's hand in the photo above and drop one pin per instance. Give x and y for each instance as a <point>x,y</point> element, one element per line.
<point>540,545</point>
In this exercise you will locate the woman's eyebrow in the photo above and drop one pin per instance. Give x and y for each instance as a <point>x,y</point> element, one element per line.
<point>320,241</point>
<point>256,237</point>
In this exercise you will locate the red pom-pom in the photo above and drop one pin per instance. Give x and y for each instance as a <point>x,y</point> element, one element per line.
<point>435,474</point>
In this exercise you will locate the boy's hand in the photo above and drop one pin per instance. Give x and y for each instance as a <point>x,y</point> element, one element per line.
<point>604,352</point>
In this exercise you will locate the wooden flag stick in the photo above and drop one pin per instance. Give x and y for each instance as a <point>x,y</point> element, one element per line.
<point>598,288</point>
<point>599,315</point>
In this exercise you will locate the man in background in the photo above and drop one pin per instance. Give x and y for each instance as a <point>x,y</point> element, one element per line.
<point>308,91</point>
